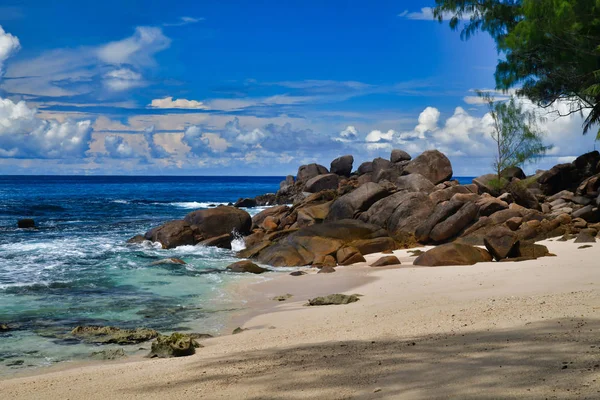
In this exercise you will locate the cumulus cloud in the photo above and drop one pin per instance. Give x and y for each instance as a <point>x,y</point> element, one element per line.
<point>168,102</point>
<point>379,136</point>
<point>156,151</point>
<point>23,135</point>
<point>123,79</point>
<point>9,45</point>
<point>117,147</point>
<point>203,142</point>
<point>347,135</point>
<point>215,142</point>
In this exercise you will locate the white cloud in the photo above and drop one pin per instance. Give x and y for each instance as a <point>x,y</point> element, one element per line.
<point>9,45</point>
<point>117,147</point>
<point>348,134</point>
<point>123,79</point>
<point>184,21</point>
<point>252,137</point>
<point>215,142</point>
<point>168,102</point>
<point>23,135</point>
<point>426,14</point>
<point>379,136</point>
<point>137,49</point>
<point>428,121</point>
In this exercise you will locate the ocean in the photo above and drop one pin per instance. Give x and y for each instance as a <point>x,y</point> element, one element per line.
<point>76,269</point>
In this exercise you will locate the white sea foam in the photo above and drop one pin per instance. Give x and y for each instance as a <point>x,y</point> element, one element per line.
<point>120,201</point>
<point>196,204</point>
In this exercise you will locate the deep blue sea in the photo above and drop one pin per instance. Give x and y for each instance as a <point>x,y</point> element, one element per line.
<point>77,270</point>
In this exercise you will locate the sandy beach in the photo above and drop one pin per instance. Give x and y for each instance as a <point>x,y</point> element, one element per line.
<point>488,331</point>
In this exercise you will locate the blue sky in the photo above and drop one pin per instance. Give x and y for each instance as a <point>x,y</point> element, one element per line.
<point>241,88</point>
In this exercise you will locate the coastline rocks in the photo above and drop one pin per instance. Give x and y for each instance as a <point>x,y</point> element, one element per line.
<point>415,183</point>
<point>440,213</point>
<point>245,203</point>
<point>326,270</point>
<point>333,299</point>
<point>530,251</point>
<point>349,255</point>
<point>342,166</point>
<point>218,221</point>
<point>433,165</point>
<point>26,223</point>
<point>258,219</point>
<point>4,327</point>
<point>350,205</point>
<point>306,172</point>
<point>522,196</point>
<point>365,168</point>
<point>246,266</point>
<point>111,334</point>
<point>176,345</point>
<point>452,254</point>
<point>222,242</point>
<point>377,245</point>
<point>399,155</point>
<point>168,261</point>
<point>586,236</point>
<point>322,182</point>
<point>172,234</point>
<point>489,183</point>
<point>386,261</point>
<point>112,354</point>
<point>512,172</point>
<point>502,243</point>
<point>454,224</point>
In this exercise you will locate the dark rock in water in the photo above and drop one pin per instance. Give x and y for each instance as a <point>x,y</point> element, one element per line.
<point>399,155</point>
<point>137,239</point>
<point>502,243</point>
<point>298,273</point>
<point>326,270</point>
<point>512,172</point>
<point>415,183</point>
<point>222,242</point>
<point>176,345</point>
<point>454,224</point>
<point>4,328</point>
<point>113,354</point>
<point>238,330</point>
<point>433,165</point>
<point>26,223</point>
<point>342,166</point>
<point>218,221</point>
<point>586,236</point>
<point>385,261</point>
<point>333,299</point>
<point>365,168</point>
<point>322,182</point>
<point>15,363</point>
<point>246,266</point>
<point>172,234</point>
<point>522,196</point>
<point>306,172</point>
<point>350,205</point>
<point>169,261</point>
<point>110,334</point>
<point>452,254</point>
<point>246,203</point>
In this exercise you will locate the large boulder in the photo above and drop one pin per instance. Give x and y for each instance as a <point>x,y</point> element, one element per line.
<point>560,177</point>
<point>489,183</point>
<point>446,194</point>
<point>172,234</point>
<point>400,213</point>
<point>489,205</point>
<point>433,165</point>
<point>322,182</point>
<point>365,168</point>
<point>452,254</point>
<point>284,255</point>
<point>385,261</point>
<point>521,195</point>
<point>352,204</point>
<point>219,221</point>
<point>342,165</point>
<point>415,183</point>
<point>305,172</point>
<point>502,243</point>
<point>258,219</point>
<point>349,255</point>
<point>377,245</point>
<point>245,203</point>
<point>512,172</point>
<point>312,214</point>
<point>454,224</point>
<point>587,164</point>
<point>440,213</point>
<point>399,155</point>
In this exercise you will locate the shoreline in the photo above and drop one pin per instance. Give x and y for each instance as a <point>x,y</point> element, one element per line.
<point>456,326</point>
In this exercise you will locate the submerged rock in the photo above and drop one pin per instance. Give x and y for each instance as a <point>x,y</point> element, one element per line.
<point>26,223</point>
<point>238,330</point>
<point>111,334</point>
<point>4,327</point>
<point>169,261</point>
<point>282,297</point>
<point>176,345</point>
<point>333,299</point>
<point>246,266</point>
<point>112,354</point>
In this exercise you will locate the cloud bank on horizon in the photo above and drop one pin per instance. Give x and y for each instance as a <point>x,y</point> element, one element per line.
<point>130,104</point>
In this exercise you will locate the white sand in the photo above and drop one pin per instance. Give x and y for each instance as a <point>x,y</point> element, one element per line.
<point>489,331</point>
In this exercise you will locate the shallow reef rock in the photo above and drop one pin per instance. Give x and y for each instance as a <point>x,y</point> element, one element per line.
<point>176,345</point>
<point>246,266</point>
<point>113,335</point>
<point>333,299</point>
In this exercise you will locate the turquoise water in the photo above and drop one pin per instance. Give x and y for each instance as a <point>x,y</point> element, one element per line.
<point>77,270</point>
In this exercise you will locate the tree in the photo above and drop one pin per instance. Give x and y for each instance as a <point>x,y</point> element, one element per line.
<point>551,47</point>
<point>515,133</point>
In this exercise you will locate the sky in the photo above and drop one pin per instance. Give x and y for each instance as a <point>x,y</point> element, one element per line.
<point>244,87</point>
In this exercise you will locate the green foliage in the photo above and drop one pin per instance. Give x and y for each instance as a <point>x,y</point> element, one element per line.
<point>551,47</point>
<point>515,133</point>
